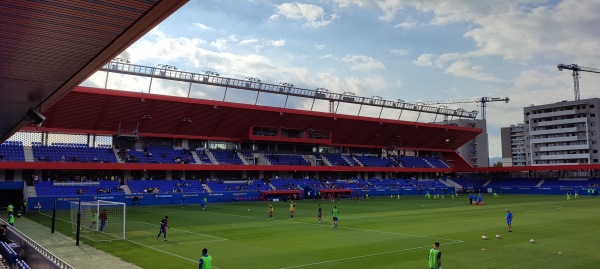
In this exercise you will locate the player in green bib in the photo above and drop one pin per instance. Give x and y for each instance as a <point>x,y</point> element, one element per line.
<point>10,208</point>
<point>11,219</point>
<point>336,215</point>
<point>206,260</point>
<point>435,257</point>
<point>94,221</point>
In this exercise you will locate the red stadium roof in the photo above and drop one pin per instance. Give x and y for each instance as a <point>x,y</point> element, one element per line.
<point>101,111</point>
<point>49,47</point>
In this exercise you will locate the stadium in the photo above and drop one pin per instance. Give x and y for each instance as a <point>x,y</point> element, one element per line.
<point>103,166</point>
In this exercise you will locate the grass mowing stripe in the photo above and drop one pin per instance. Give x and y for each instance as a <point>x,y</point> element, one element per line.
<point>165,252</point>
<point>220,238</point>
<point>347,228</point>
<point>363,256</point>
<point>144,245</point>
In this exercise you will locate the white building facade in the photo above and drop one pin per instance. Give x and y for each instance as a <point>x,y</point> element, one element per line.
<point>562,133</point>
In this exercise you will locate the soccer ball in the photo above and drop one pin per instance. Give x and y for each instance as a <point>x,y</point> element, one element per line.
<point>531,241</point>
<point>484,237</point>
<point>498,236</point>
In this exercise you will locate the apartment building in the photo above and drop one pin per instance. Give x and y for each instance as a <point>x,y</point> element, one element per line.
<point>562,133</point>
<point>513,145</point>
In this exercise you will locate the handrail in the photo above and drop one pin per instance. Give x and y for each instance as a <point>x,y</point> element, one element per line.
<point>46,253</point>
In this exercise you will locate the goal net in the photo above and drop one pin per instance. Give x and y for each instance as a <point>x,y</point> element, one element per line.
<point>100,220</point>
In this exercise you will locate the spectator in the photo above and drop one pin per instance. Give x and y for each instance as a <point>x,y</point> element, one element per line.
<point>4,238</point>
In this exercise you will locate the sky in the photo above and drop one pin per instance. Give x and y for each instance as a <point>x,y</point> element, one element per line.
<point>412,50</point>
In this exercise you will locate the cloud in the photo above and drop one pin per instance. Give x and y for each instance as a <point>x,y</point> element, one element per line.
<point>220,44</point>
<point>319,46</point>
<point>248,41</point>
<point>277,43</point>
<point>457,65</point>
<point>313,15</point>
<point>389,8</point>
<point>405,25</point>
<point>399,52</point>
<point>348,3</point>
<point>203,27</point>
<point>363,63</point>
<point>465,69</point>
<point>424,60</point>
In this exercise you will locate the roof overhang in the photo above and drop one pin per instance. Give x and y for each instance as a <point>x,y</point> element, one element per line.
<point>50,47</point>
<point>92,110</point>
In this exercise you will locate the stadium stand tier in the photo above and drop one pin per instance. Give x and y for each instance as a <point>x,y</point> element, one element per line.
<point>72,152</point>
<point>12,151</point>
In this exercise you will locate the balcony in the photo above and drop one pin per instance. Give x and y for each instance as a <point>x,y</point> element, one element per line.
<point>554,139</point>
<point>565,156</point>
<point>552,114</point>
<point>554,131</point>
<point>569,147</point>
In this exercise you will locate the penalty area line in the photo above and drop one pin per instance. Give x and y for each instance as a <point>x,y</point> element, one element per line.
<point>362,256</point>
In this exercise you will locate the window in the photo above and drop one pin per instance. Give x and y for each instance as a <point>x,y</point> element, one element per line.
<point>593,115</point>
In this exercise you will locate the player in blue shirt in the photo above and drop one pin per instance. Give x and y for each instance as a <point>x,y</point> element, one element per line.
<point>203,203</point>
<point>163,228</point>
<point>509,219</point>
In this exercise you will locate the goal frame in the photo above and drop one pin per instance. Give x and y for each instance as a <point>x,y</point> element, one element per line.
<point>97,205</point>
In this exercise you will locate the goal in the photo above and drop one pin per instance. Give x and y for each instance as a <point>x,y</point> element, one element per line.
<point>100,220</point>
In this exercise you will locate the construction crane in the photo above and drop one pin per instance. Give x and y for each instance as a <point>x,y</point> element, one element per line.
<point>482,100</point>
<point>576,69</point>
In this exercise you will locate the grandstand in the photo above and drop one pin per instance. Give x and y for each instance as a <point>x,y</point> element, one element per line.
<point>111,144</point>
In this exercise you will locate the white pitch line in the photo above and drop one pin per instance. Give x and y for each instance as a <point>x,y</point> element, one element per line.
<point>362,256</point>
<point>221,238</point>
<point>159,250</point>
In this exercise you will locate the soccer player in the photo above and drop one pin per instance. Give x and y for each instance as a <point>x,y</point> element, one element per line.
<point>103,218</point>
<point>163,228</point>
<point>336,215</point>
<point>205,260</point>
<point>203,203</point>
<point>94,221</point>
<point>480,199</point>
<point>320,214</point>
<point>292,209</point>
<point>470,198</point>
<point>270,211</point>
<point>509,220</point>
<point>435,257</point>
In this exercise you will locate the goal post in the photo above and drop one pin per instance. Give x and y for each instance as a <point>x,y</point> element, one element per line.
<point>100,220</point>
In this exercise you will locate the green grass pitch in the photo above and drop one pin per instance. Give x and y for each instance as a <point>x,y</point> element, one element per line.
<point>378,233</point>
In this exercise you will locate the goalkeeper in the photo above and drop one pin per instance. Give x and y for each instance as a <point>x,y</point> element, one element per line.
<point>94,221</point>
